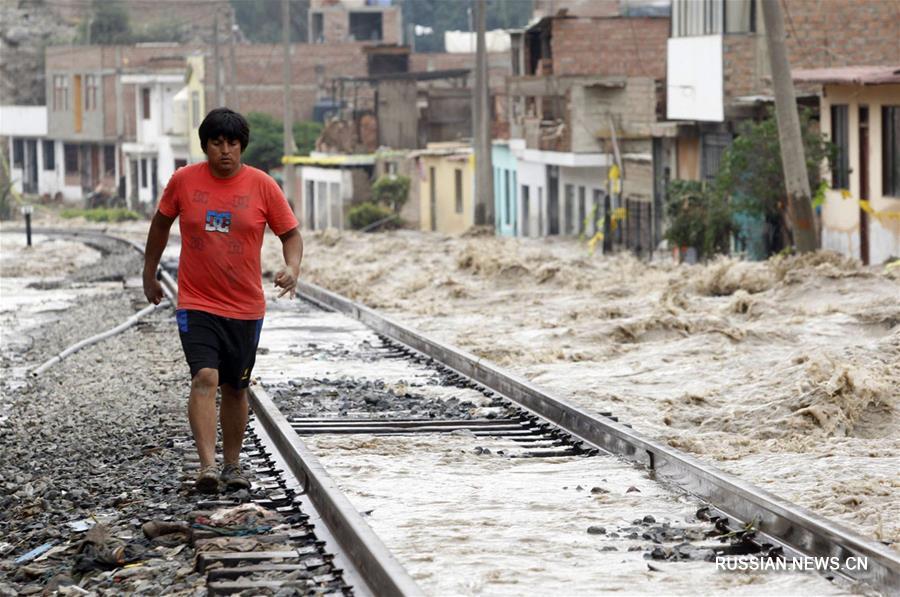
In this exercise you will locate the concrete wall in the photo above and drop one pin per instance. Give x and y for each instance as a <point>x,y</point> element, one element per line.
<point>447,219</point>
<point>632,108</point>
<point>398,115</point>
<point>840,214</point>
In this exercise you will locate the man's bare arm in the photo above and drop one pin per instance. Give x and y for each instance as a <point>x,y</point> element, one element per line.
<point>157,239</point>
<point>292,249</point>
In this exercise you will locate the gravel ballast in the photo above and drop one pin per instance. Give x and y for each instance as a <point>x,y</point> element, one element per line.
<point>97,441</point>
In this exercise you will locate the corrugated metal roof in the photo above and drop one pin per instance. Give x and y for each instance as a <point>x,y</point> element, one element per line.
<point>849,75</point>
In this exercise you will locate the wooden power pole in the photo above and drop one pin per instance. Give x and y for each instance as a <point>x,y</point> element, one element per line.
<point>793,160</point>
<point>217,62</point>
<point>289,147</point>
<point>232,75</point>
<point>481,138</point>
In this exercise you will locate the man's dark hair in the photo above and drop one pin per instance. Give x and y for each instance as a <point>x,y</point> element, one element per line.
<point>225,123</point>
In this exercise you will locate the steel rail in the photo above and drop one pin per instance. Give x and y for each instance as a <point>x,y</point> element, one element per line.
<point>795,527</point>
<point>373,563</point>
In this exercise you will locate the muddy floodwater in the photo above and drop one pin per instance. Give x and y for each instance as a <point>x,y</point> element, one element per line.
<point>784,372</point>
<point>466,518</point>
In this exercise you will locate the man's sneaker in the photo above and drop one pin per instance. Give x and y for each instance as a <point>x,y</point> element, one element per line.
<point>233,478</point>
<point>207,480</point>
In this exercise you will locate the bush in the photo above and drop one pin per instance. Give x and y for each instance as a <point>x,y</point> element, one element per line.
<point>101,214</point>
<point>392,191</point>
<point>368,213</point>
<point>699,217</point>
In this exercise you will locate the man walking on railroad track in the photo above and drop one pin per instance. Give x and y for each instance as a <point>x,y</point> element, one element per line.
<point>223,207</point>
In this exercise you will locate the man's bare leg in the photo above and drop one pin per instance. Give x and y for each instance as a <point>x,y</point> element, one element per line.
<point>202,414</point>
<point>233,417</point>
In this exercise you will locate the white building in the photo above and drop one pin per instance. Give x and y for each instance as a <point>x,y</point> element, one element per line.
<point>162,144</point>
<point>36,163</point>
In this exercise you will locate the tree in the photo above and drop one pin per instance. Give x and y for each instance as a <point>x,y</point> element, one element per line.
<point>752,176</point>
<point>265,148</point>
<point>108,23</point>
<point>305,134</point>
<point>699,216</point>
<point>392,191</point>
<point>260,20</point>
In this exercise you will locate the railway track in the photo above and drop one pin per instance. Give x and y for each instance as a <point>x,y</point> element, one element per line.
<point>335,546</point>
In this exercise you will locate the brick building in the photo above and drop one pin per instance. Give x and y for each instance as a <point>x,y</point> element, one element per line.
<point>103,98</point>
<point>718,64</point>
<point>578,83</point>
<point>340,21</point>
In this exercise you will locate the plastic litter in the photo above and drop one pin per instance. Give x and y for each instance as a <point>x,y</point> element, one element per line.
<point>27,557</point>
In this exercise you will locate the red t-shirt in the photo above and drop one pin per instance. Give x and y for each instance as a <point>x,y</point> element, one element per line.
<point>222,222</point>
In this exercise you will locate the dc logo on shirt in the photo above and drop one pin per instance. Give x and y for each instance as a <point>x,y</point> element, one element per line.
<point>218,221</point>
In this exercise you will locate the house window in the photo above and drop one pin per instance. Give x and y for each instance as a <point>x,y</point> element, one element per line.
<point>109,160</point>
<point>18,153</point>
<point>145,103</point>
<point>365,26</point>
<point>49,151</point>
<point>507,193</point>
<point>890,151</point>
<point>60,92</point>
<point>71,158</point>
<point>582,210</point>
<point>195,109</point>
<point>570,208</point>
<point>392,168</point>
<point>90,92</point>
<point>143,174</point>
<point>318,28</point>
<point>710,17</point>
<point>840,127</point>
<point>458,189</point>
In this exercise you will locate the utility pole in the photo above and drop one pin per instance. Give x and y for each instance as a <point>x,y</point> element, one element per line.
<point>481,137</point>
<point>217,61</point>
<point>289,147</point>
<point>793,160</point>
<point>232,78</point>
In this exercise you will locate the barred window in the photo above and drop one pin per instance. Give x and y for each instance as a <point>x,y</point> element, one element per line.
<point>71,158</point>
<point>60,92</point>
<point>890,150</point>
<point>840,131</point>
<point>90,92</point>
<point>49,155</point>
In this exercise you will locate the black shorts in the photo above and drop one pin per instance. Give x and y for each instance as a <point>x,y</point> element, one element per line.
<point>221,343</point>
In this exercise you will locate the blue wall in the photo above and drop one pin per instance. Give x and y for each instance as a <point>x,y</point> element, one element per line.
<point>505,190</point>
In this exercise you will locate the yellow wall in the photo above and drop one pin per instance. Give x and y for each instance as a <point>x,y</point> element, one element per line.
<point>195,84</point>
<point>448,221</point>
<point>840,213</point>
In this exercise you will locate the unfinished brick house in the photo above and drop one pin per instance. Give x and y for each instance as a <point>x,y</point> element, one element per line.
<point>578,83</point>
